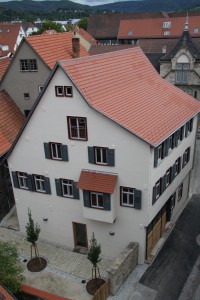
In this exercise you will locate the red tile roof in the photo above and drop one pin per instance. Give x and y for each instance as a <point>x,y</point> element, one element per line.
<point>11,120</point>
<point>124,86</point>
<point>153,28</point>
<point>98,182</point>
<point>41,294</point>
<point>8,36</point>
<point>51,31</point>
<point>100,49</point>
<point>54,47</point>
<point>4,62</point>
<point>5,293</point>
<point>87,36</point>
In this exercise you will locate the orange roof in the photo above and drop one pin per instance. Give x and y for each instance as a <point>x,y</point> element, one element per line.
<point>4,62</point>
<point>51,31</point>
<point>11,120</point>
<point>150,28</point>
<point>124,86</point>
<point>53,47</point>
<point>98,182</point>
<point>5,293</point>
<point>8,36</point>
<point>87,36</point>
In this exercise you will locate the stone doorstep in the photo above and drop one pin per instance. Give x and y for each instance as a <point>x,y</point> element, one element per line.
<point>168,229</point>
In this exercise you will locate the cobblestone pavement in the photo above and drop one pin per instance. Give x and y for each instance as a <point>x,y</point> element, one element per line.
<point>58,258</point>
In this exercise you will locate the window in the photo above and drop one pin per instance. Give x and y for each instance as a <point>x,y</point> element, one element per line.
<point>127,196</point>
<point>186,156</point>
<point>39,183</point>
<point>158,188</point>
<point>1,30</point>
<point>29,65</point>
<point>180,192</point>
<point>40,87</point>
<point>68,91</point>
<point>59,91</point>
<point>56,151</point>
<point>67,188</point>
<point>5,48</point>
<point>182,70</point>
<point>177,166</point>
<point>167,24</point>
<point>166,32</point>
<point>190,125</point>
<point>195,94</point>
<point>130,32</point>
<point>77,128</point>
<point>26,96</point>
<point>23,181</point>
<point>96,200</point>
<point>168,176</point>
<point>196,30</point>
<point>101,155</point>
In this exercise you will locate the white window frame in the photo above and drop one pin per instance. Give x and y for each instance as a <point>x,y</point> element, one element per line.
<point>22,180</point>
<point>68,184</point>
<point>78,128</point>
<point>167,24</point>
<point>101,149</point>
<point>59,91</point>
<point>128,193</point>
<point>158,189</point>
<point>56,148</point>
<point>66,93</point>
<point>39,183</point>
<point>97,195</point>
<point>168,177</point>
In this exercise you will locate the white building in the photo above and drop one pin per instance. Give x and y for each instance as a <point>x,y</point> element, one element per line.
<point>107,148</point>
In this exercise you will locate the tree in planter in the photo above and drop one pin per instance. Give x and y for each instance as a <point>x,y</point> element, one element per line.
<point>10,270</point>
<point>93,255</point>
<point>32,234</point>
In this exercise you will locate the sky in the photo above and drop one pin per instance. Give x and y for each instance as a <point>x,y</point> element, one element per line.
<point>87,2</point>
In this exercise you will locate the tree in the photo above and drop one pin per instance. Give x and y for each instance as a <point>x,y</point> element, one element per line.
<point>10,271</point>
<point>93,255</point>
<point>48,25</point>
<point>83,23</point>
<point>32,234</point>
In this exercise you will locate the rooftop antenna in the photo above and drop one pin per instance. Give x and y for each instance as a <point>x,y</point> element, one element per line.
<point>186,23</point>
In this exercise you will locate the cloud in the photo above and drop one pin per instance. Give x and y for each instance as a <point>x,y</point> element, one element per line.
<point>95,2</point>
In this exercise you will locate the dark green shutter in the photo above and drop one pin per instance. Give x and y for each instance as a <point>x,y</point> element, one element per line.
<point>64,153</point>
<point>154,195</point>
<point>75,190</point>
<point>91,155</point>
<point>47,150</point>
<point>58,187</point>
<point>15,180</point>
<point>47,185</point>
<point>191,125</point>
<point>186,129</point>
<point>163,150</point>
<point>107,202</point>
<point>86,198</point>
<point>111,157</point>
<point>173,171</point>
<point>189,153</point>
<point>155,157</point>
<point>176,139</point>
<point>183,163</point>
<point>163,183</point>
<point>31,186</point>
<point>137,199</point>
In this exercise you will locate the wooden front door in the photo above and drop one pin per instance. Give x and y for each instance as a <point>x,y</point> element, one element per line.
<point>80,235</point>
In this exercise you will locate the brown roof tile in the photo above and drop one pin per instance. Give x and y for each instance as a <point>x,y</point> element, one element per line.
<point>11,120</point>
<point>54,47</point>
<point>100,49</point>
<point>6,294</point>
<point>98,182</point>
<point>8,36</point>
<point>87,36</point>
<point>124,86</point>
<point>4,62</point>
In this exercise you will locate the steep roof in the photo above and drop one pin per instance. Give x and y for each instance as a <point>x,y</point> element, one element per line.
<point>11,120</point>
<point>185,41</point>
<point>86,35</point>
<point>54,47</point>
<point>8,36</point>
<point>100,49</point>
<point>124,86</point>
<point>4,62</point>
<point>153,27</point>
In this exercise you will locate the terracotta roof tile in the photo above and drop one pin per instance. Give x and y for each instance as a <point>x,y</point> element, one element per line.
<point>54,47</point>
<point>124,86</point>
<point>6,294</point>
<point>8,36</point>
<point>87,36</point>
<point>4,62</point>
<point>11,120</point>
<point>100,49</point>
<point>151,28</point>
<point>96,181</point>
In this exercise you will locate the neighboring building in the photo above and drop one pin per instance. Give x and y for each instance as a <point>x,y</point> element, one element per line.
<point>107,148</point>
<point>86,39</point>
<point>10,37</point>
<point>4,62</point>
<point>29,28</point>
<point>11,120</point>
<point>32,63</point>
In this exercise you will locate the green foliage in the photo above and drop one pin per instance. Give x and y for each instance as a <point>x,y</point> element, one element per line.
<point>94,251</point>
<point>10,271</point>
<point>49,25</point>
<point>83,23</point>
<point>32,229</point>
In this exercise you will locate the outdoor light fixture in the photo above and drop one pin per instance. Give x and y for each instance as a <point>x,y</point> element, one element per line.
<point>111,233</point>
<point>45,219</point>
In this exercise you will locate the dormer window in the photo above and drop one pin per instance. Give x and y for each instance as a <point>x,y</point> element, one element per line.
<point>167,24</point>
<point>166,33</point>
<point>182,70</point>
<point>196,30</point>
<point>130,32</point>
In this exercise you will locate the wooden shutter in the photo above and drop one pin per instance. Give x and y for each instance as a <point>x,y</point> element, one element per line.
<point>47,150</point>
<point>64,153</point>
<point>86,198</point>
<point>154,195</point>
<point>107,202</point>
<point>111,157</point>
<point>163,183</point>
<point>91,155</point>
<point>31,186</point>
<point>137,199</point>
<point>15,180</point>
<point>58,187</point>
<point>75,190</point>
<point>155,157</point>
<point>47,185</point>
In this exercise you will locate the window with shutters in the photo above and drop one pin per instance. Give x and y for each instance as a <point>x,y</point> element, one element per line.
<point>67,188</point>
<point>168,176</point>
<point>28,65</point>
<point>158,188</point>
<point>77,128</point>
<point>182,71</point>
<point>39,181</point>
<point>130,197</point>
<point>186,156</point>
<point>177,166</point>
<point>96,200</point>
<point>22,180</point>
<point>101,156</point>
<point>180,192</point>
<point>56,151</point>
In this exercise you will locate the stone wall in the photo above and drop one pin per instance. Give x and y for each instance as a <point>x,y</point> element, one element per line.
<point>122,267</point>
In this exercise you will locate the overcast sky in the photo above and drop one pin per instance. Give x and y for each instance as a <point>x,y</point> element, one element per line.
<point>88,2</point>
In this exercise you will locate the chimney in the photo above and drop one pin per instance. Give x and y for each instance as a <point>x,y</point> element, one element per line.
<point>76,47</point>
